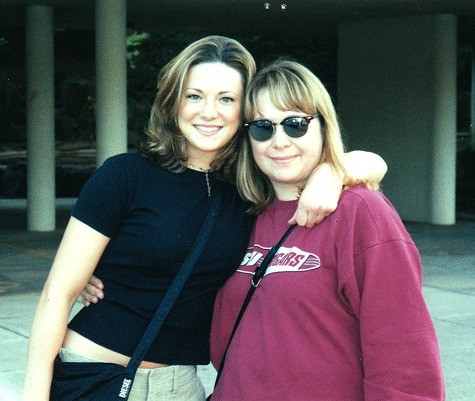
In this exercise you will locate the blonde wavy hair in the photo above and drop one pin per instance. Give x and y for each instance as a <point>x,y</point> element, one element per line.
<point>166,145</point>
<point>292,87</point>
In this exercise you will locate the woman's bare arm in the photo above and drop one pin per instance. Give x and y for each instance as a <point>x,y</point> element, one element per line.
<point>322,192</point>
<point>75,261</point>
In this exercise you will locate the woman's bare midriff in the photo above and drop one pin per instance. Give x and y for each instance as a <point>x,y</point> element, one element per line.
<point>80,345</point>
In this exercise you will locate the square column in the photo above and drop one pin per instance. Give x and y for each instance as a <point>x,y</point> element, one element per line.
<point>397,97</point>
<point>111,78</point>
<point>41,212</point>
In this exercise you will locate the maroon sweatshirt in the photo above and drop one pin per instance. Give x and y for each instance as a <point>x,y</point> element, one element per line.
<point>339,316</point>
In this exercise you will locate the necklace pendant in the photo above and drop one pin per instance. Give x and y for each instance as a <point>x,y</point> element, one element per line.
<point>208,184</point>
<point>206,171</point>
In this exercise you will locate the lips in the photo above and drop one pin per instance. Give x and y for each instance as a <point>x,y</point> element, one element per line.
<point>208,129</point>
<point>283,159</point>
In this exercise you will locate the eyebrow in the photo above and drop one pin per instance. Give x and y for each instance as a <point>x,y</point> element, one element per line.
<point>219,93</point>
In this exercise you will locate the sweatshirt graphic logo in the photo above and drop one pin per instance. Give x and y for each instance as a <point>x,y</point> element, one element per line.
<point>286,260</point>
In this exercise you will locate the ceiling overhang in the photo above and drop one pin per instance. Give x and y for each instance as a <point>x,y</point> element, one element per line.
<point>316,17</point>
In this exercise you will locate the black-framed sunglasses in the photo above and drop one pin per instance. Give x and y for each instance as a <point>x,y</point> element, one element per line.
<point>294,126</point>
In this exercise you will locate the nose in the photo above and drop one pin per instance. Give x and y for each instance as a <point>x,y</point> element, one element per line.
<point>280,139</point>
<point>209,110</point>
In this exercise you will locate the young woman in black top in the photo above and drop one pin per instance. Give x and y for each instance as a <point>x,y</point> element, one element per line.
<point>136,219</point>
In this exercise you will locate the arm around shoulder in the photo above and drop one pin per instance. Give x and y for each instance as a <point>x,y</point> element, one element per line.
<point>321,194</point>
<point>364,168</point>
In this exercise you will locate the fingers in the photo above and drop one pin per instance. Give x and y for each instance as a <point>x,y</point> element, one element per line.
<point>92,293</point>
<point>84,298</point>
<point>87,298</point>
<point>94,281</point>
<point>314,218</point>
<point>308,218</point>
<point>313,210</point>
<point>293,220</point>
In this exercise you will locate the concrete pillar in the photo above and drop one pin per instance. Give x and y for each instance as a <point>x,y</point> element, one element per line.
<point>472,103</point>
<point>397,97</point>
<point>111,78</point>
<point>40,119</point>
<point>444,113</point>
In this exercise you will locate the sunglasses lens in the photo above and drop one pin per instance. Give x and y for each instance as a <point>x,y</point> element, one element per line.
<point>261,130</point>
<point>295,127</point>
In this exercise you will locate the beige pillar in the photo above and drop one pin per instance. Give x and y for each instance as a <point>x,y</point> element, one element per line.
<point>111,78</point>
<point>444,129</point>
<point>397,97</point>
<point>472,103</point>
<point>40,119</point>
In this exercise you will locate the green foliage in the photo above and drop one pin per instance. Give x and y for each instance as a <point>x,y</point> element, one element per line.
<point>134,42</point>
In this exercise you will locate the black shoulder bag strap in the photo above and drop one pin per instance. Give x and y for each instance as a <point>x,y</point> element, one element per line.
<point>174,290</point>
<point>256,279</point>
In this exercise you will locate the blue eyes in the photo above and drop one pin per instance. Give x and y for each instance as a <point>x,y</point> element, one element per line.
<point>226,100</point>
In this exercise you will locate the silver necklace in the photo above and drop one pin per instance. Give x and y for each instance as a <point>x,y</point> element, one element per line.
<point>206,171</point>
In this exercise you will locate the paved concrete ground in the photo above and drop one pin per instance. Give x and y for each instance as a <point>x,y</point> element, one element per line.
<point>448,255</point>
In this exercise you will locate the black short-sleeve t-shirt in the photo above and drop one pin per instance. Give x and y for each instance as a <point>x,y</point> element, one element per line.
<point>153,217</point>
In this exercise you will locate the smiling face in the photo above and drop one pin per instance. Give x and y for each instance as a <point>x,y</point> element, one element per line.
<point>209,110</point>
<point>288,162</point>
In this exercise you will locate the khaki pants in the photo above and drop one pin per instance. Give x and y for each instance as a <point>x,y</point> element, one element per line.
<point>177,382</point>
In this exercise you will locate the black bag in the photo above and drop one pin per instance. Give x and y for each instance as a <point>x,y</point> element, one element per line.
<point>84,381</point>
<point>101,381</point>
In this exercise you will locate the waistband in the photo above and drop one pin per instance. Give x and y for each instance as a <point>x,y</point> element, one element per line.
<point>68,356</point>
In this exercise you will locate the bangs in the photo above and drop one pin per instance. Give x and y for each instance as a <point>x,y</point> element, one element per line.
<point>287,93</point>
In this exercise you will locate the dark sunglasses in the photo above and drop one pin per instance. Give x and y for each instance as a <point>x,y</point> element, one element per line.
<point>295,127</point>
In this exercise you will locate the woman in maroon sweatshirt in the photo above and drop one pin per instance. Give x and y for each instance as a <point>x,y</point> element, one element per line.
<point>339,315</point>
